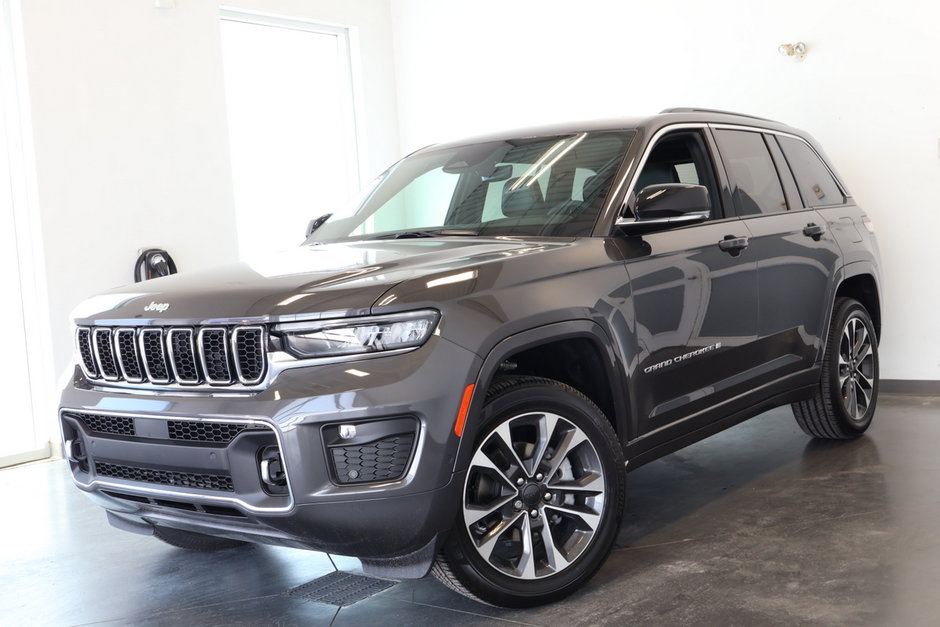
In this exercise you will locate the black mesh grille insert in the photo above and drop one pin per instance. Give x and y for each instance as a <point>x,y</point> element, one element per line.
<point>193,431</point>
<point>154,354</point>
<point>127,354</point>
<point>102,423</point>
<point>168,355</point>
<point>249,353</point>
<point>84,349</point>
<point>383,460</point>
<point>184,360</point>
<point>106,354</point>
<point>215,355</point>
<point>222,483</point>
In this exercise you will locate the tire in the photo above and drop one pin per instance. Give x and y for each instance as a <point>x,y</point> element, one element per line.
<point>844,402</point>
<point>194,541</point>
<point>556,496</point>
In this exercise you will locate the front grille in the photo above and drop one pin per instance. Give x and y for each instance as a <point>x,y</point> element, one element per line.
<point>222,483</point>
<point>216,356</point>
<point>103,423</point>
<point>193,431</point>
<point>383,460</point>
<point>104,355</point>
<point>83,338</point>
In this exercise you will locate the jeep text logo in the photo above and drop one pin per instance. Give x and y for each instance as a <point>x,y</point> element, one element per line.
<point>159,307</point>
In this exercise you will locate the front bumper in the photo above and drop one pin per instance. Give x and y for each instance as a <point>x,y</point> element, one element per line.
<point>389,491</point>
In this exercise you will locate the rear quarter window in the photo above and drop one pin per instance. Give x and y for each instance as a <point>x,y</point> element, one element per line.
<point>815,182</point>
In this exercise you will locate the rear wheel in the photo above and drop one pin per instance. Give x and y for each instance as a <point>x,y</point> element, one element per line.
<point>542,499</point>
<point>194,541</point>
<point>844,403</point>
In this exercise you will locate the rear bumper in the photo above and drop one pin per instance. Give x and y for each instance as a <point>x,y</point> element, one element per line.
<point>194,461</point>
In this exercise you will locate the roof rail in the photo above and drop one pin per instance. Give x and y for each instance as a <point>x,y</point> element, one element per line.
<point>698,110</point>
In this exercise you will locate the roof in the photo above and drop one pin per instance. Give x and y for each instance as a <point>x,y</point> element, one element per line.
<point>652,123</point>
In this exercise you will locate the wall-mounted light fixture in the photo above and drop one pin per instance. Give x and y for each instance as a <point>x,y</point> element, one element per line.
<point>796,52</point>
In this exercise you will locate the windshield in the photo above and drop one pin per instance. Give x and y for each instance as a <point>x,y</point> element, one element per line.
<point>535,186</point>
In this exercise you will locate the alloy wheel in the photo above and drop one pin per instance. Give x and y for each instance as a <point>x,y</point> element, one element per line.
<point>534,495</point>
<point>856,368</point>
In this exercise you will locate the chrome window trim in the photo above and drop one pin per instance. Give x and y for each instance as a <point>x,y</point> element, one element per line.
<point>97,353</point>
<point>190,496</point>
<point>119,356</point>
<point>264,348</point>
<point>172,357</point>
<point>91,350</point>
<point>739,127</point>
<point>143,355</point>
<point>200,345</point>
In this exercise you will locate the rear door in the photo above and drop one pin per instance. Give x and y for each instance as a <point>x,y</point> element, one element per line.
<point>795,253</point>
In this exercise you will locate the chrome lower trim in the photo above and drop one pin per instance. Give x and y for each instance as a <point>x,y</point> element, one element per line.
<point>137,488</point>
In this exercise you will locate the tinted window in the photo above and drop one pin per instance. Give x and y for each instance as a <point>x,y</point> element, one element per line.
<point>755,186</point>
<point>817,187</point>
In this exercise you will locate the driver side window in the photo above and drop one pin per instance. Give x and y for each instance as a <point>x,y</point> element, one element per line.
<point>681,157</point>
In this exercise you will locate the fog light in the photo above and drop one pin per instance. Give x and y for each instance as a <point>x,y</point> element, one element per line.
<point>347,432</point>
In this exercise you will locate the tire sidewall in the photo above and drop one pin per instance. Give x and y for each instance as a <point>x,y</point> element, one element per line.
<point>487,582</point>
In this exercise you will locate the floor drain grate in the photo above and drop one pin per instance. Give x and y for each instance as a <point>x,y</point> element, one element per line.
<point>341,588</point>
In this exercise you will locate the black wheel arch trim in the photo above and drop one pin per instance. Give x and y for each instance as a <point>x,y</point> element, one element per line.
<point>846,272</point>
<point>539,336</point>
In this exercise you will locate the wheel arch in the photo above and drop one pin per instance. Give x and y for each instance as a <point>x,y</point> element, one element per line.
<point>593,369</point>
<point>863,287</point>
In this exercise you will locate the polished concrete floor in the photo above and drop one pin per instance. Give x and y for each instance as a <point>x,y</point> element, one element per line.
<point>757,526</point>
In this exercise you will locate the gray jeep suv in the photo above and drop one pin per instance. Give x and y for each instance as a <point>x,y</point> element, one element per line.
<point>456,376</point>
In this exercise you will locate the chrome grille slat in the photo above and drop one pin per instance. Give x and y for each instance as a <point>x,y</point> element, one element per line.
<point>153,354</point>
<point>125,349</point>
<point>213,355</point>
<point>104,354</point>
<point>182,351</point>
<point>248,352</point>
<point>190,356</point>
<point>86,352</point>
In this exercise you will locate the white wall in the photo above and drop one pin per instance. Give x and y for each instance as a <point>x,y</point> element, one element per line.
<point>868,91</point>
<point>130,142</point>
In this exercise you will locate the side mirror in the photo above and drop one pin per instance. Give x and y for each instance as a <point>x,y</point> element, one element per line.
<point>660,207</point>
<point>313,225</point>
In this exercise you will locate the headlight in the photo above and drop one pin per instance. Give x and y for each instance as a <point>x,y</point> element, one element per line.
<point>353,336</point>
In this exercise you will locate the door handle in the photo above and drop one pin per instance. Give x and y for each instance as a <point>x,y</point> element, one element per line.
<point>814,230</point>
<point>733,245</point>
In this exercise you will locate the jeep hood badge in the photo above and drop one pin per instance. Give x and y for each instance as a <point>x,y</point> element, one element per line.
<point>158,307</point>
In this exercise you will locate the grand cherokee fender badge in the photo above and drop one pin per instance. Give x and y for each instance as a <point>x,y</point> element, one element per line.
<point>158,307</point>
<point>683,357</point>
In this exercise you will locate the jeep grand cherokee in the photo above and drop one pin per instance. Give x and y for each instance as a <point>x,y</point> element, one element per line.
<point>456,376</point>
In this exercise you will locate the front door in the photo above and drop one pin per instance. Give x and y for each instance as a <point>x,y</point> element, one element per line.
<point>694,300</point>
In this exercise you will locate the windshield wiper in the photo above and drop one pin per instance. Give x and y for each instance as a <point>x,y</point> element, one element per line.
<point>428,233</point>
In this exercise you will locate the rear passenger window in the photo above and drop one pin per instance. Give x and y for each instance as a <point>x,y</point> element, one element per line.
<point>817,187</point>
<point>755,186</point>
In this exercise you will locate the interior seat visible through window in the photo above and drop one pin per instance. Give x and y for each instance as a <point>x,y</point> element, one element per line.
<point>680,157</point>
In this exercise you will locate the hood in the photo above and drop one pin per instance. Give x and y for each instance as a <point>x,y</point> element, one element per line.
<point>327,281</point>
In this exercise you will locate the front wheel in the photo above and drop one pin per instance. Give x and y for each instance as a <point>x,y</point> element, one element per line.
<point>542,499</point>
<point>844,403</point>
